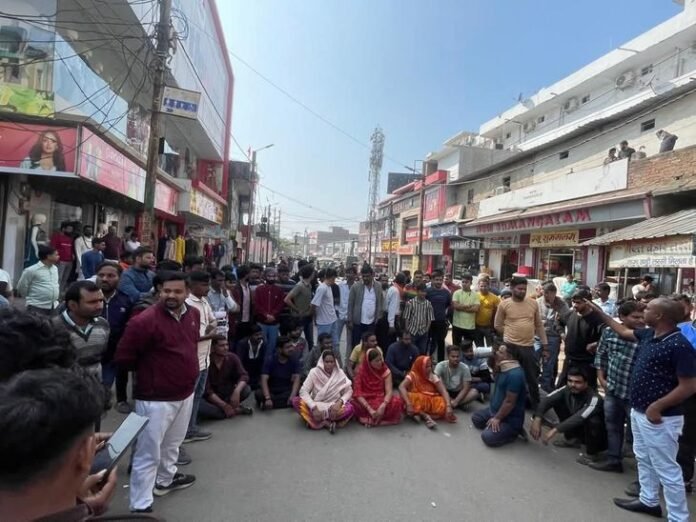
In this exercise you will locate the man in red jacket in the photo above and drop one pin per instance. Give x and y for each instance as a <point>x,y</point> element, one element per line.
<point>269,302</point>
<point>160,345</point>
<point>63,242</point>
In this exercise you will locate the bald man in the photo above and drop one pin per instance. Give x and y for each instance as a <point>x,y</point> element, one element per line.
<point>664,376</point>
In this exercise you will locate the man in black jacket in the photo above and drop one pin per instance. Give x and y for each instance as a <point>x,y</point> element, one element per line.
<point>581,412</point>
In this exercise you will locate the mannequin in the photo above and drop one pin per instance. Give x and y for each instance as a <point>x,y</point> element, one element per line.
<point>36,237</point>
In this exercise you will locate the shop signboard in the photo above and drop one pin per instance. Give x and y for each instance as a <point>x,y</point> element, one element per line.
<point>389,245</point>
<point>670,252</point>
<point>166,198</point>
<point>37,149</point>
<point>465,244</point>
<point>502,242</point>
<point>406,250</point>
<point>453,213</point>
<point>556,238</point>
<point>180,102</point>
<point>27,57</point>
<point>550,220</point>
<point>573,185</point>
<point>434,202</point>
<point>106,166</point>
<point>205,207</point>
<point>433,247</point>
<point>411,235</point>
<point>441,231</point>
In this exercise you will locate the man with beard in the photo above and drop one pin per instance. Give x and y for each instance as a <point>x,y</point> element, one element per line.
<point>136,282</point>
<point>116,311</point>
<point>160,344</point>
<point>268,304</point>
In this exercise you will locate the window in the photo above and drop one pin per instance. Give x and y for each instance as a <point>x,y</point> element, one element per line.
<point>564,154</point>
<point>469,196</point>
<point>585,98</point>
<point>498,146</point>
<point>541,119</point>
<point>646,70</point>
<point>508,135</point>
<point>647,125</point>
<point>506,182</point>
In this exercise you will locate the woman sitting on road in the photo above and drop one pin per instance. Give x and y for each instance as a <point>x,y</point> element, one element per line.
<point>324,396</point>
<point>424,394</point>
<point>373,398</point>
<point>369,341</point>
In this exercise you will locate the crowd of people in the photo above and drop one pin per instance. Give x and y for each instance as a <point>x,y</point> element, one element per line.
<point>201,342</point>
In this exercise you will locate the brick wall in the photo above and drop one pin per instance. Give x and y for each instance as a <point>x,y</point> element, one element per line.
<point>663,169</point>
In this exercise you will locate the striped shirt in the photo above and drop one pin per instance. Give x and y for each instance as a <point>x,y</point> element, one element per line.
<point>615,358</point>
<point>418,314</point>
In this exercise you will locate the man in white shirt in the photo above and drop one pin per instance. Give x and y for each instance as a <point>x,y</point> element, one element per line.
<point>344,290</point>
<point>394,305</point>
<point>39,283</point>
<point>365,304</point>
<point>221,301</point>
<point>82,244</point>
<point>323,307</point>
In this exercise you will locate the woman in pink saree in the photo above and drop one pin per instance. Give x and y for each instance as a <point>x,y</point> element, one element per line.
<point>325,395</point>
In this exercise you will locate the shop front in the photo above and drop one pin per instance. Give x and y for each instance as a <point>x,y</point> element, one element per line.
<point>205,234</point>
<point>466,257</point>
<point>407,260</point>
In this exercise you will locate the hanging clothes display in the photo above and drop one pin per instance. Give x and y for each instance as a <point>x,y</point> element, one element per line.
<point>179,249</point>
<point>191,246</point>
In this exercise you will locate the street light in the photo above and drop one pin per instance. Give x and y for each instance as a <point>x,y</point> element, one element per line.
<point>253,197</point>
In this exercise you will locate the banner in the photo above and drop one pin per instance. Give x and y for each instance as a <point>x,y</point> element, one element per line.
<point>205,207</point>
<point>106,166</point>
<point>389,245</point>
<point>37,149</point>
<point>434,205</point>
<point>26,57</point>
<point>670,252</point>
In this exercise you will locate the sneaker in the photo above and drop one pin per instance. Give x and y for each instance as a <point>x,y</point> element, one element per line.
<point>197,436</point>
<point>180,481</point>
<point>124,408</point>
<point>148,509</point>
<point>184,459</point>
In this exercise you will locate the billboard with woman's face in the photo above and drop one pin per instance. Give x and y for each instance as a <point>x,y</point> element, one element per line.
<point>37,149</point>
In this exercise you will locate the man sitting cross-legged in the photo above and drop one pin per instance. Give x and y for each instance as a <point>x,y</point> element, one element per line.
<point>227,385</point>
<point>280,378</point>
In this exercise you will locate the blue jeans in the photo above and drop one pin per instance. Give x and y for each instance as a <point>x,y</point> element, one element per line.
<point>506,435</point>
<point>549,368</point>
<point>270,337</point>
<point>197,395</point>
<point>329,329</point>
<point>616,413</point>
<point>656,446</point>
<point>421,342</point>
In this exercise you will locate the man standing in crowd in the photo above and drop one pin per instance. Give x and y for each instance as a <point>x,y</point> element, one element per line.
<point>323,307</point>
<point>465,303</point>
<point>227,385</point>
<point>664,376</point>
<point>220,301</point>
<point>450,284</point>
<point>418,318</point>
<point>116,311</point>
<point>441,299</point>
<point>411,288</point>
<point>614,363</point>
<point>82,244</point>
<point>62,241</point>
<point>645,285</point>
<point>300,302</point>
<point>285,284</point>
<point>580,412</point>
<point>400,357</point>
<point>114,245</point>
<point>394,304</point>
<point>568,288</point>
<point>582,331</point>
<point>552,309</point>
<point>136,282</point>
<point>268,304</point>
<point>484,316</point>
<point>517,320</point>
<point>92,258</point>
<point>199,286</point>
<point>39,283</point>
<point>344,295</point>
<point>608,306</point>
<point>503,421</point>
<point>160,344</point>
<point>365,304</point>
<point>242,294</point>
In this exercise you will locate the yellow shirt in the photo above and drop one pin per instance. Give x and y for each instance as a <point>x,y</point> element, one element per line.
<point>465,320</point>
<point>484,316</point>
<point>357,355</point>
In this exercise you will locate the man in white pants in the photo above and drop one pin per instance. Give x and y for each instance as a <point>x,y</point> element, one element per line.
<point>160,345</point>
<point>664,376</point>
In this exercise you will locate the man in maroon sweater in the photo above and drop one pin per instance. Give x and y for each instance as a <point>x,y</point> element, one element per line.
<point>269,302</point>
<point>63,242</point>
<point>160,345</point>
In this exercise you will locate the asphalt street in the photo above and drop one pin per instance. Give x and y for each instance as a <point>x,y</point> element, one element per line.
<point>269,467</point>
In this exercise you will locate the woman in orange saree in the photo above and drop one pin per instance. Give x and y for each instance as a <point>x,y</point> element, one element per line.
<point>424,394</point>
<point>374,400</point>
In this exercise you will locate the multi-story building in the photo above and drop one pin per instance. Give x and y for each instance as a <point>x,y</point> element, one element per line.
<point>530,208</point>
<point>76,88</point>
<point>331,243</point>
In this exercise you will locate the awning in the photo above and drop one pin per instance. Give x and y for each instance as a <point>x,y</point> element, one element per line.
<point>680,223</point>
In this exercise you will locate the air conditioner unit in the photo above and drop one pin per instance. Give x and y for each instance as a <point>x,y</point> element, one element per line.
<point>529,126</point>
<point>571,104</point>
<point>625,80</point>
<point>497,191</point>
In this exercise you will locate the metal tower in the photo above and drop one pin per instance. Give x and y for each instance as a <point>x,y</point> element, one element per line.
<point>376,157</point>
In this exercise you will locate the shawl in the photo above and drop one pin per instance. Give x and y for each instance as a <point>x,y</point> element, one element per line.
<point>420,379</point>
<point>369,383</point>
<point>328,388</point>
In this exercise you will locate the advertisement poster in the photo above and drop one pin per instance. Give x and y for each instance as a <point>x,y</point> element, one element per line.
<point>37,149</point>
<point>106,166</point>
<point>26,57</point>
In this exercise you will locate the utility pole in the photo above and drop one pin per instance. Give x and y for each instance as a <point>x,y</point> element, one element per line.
<point>162,53</point>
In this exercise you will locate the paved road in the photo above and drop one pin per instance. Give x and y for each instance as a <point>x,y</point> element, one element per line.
<point>268,467</point>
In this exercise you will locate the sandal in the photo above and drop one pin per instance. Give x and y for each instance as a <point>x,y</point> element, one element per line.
<point>430,423</point>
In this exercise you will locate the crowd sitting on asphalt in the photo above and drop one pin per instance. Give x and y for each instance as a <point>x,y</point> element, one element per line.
<point>208,343</point>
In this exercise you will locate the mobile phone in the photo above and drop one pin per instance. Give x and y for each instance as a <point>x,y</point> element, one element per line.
<point>117,445</point>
